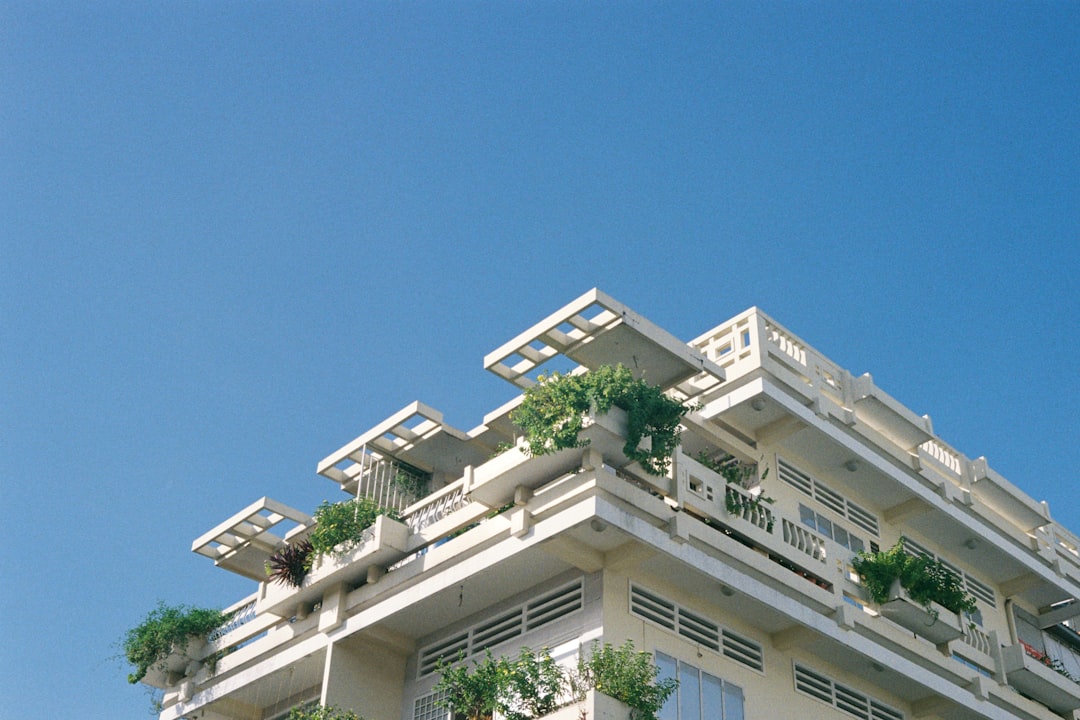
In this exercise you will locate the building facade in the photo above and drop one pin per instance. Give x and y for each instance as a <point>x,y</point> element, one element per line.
<point>751,602</point>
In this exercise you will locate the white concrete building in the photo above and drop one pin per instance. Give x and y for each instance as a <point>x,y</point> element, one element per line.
<point>757,598</point>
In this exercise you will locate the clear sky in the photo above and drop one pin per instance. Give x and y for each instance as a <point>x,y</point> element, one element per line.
<point>235,235</point>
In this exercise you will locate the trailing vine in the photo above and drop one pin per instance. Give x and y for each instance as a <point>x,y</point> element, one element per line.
<point>165,629</point>
<point>551,415</point>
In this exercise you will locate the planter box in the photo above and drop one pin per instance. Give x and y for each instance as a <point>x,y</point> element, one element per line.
<point>494,482</point>
<point>386,544</point>
<point>1030,677</point>
<point>595,706</point>
<point>182,662</point>
<point>939,626</point>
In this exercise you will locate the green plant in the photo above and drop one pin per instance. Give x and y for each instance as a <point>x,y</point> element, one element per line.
<point>474,695</point>
<point>339,527</point>
<point>926,580</point>
<point>322,712</point>
<point>291,564</point>
<point>534,685</point>
<point>626,675</point>
<point>552,411</point>
<point>166,628</point>
<point>411,481</point>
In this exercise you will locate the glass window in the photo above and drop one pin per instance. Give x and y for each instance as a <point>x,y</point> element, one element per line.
<point>700,696</point>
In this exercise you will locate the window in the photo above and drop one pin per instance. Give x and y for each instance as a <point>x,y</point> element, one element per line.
<point>703,631</point>
<point>856,515</point>
<point>825,526</point>
<point>842,697</point>
<point>700,696</point>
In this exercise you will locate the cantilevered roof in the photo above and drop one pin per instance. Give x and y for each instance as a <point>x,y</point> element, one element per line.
<point>244,543</point>
<point>415,434</point>
<point>598,330</point>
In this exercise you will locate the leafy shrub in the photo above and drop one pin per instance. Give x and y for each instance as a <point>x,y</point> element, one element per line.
<point>926,580</point>
<point>322,712</point>
<point>535,683</point>
<point>339,527</point>
<point>552,411</point>
<point>164,628</point>
<point>626,675</point>
<point>291,564</point>
<point>476,694</point>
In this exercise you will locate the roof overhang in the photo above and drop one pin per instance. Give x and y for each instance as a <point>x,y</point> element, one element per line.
<point>596,330</point>
<point>244,542</point>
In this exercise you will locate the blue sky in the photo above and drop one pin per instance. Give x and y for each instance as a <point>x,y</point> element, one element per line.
<point>233,236</point>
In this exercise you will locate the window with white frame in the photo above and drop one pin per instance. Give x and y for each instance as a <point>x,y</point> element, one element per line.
<point>699,696</point>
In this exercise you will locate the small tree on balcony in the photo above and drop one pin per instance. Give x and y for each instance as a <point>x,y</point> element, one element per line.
<point>626,675</point>
<point>552,411</point>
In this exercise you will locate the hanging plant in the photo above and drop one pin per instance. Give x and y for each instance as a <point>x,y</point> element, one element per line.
<point>165,630</point>
<point>551,414</point>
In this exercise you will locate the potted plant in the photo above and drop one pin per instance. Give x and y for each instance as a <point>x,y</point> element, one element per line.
<point>552,412</point>
<point>913,591</point>
<point>168,645</point>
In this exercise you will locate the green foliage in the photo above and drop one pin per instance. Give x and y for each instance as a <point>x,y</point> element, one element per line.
<point>166,627</point>
<point>339,527</point>
<point>552,411</point>
<point>626,675</point>
<point>412,482</point>
<point>534,685</point>
<point>322,712</point>
<point>291,564</point>
<point>475,694</point>
<point>926,580</point>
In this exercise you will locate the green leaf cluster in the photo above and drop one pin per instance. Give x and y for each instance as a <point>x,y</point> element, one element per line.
<point>533,684</point>
<point>626,675</point>
<point>412,482</point>
<point>322,712</point>
<point>166,627</point>
<point>339,527</point>
<point>552,411</point>
<point>291,564</point>
<point>927,580</point>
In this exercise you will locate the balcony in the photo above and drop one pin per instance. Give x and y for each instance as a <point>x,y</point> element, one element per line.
<point>595,706</point>
<point>935,623</point>
<point>1026,671</point>
<point>384,543</point>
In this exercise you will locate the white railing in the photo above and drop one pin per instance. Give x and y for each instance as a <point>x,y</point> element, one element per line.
<point>978,640</point>
<point>944,455</point>
<point>803,540</point>
<point>745,506</point>
<point>435,507</point>
<point>385,481</point>
<point>240,613</point>
<point>786,343</point>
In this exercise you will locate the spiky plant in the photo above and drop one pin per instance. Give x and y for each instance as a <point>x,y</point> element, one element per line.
<point>290,565</point>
